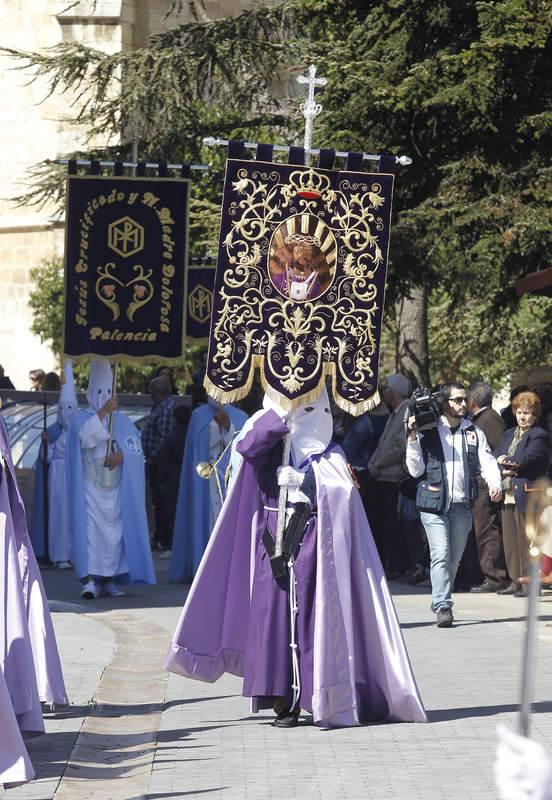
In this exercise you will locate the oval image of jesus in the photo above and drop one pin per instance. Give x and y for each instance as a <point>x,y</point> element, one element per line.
<point>302,257</point>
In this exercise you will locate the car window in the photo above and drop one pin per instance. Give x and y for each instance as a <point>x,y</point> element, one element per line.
<point>25,423</point>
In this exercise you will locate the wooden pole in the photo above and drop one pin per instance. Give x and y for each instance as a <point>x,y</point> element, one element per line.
<point>111,416</point>
<point>45,499</point>
<point>282,500</point>
<point>538,530</point>
<point>530,649</point>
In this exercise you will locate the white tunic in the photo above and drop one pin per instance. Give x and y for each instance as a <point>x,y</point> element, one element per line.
<point>104,522</point>
<point>59,537</point>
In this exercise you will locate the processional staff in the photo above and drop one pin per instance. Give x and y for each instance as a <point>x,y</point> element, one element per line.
<point>45,475</point>
<point>310,109</point>
<point>111,415</point>
<point>537,529</point>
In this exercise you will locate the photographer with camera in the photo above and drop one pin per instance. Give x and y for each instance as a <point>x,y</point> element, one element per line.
<point>447,453</point>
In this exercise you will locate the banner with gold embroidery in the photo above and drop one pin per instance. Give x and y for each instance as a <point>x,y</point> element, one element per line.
<point>199,299</point>
<point>300,283</point>
<point>125,257</point>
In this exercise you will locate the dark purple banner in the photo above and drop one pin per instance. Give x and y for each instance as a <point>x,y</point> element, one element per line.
<point>300,283</point>
<point>125,268</point>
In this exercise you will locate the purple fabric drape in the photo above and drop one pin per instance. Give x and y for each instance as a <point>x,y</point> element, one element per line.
<point>47,665</point>
<point>360,668</point>
<point>16,654</point>
<point>15,766</point>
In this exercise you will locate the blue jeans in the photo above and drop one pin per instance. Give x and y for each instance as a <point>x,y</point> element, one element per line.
<point>447,535</point>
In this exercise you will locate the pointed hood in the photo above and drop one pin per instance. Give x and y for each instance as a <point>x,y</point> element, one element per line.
<point>311,430</point>
<point>100,384</point>
<point>311,427</point>
<point>67,403</point>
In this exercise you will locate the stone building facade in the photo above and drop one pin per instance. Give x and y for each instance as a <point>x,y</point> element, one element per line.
<point>33,129</point>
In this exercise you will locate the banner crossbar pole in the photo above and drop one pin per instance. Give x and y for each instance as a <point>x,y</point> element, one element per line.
<point>211,141</point>
<point>80,162</point>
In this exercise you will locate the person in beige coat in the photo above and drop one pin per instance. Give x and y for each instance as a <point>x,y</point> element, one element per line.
<point>387,468</point>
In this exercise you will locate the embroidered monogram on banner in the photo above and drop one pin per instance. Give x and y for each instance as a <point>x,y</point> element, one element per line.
<point>300,283</point>
<point>125,257</point>
<point>200,282</point>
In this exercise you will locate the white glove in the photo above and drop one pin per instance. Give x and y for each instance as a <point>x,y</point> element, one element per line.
<point>287,476</point>
<point>523,769</point>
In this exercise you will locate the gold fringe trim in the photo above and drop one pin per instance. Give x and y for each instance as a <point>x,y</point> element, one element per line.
<point>328,371</point>
<point>124,358</point>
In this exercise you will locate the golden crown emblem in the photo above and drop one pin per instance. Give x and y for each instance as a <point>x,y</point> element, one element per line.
<point>309,182</point>
<point>302,238</point>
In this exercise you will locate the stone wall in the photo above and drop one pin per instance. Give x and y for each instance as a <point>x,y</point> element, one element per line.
<point>30,131</point>
<point>21,248</point>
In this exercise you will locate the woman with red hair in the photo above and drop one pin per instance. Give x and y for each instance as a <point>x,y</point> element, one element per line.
<point>523,456</point>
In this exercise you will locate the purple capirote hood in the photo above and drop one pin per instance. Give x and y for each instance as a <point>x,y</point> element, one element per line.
<point>362,672</point>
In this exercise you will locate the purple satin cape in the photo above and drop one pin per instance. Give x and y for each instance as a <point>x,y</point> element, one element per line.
<point>16,654</point>
<point>47,665</point>
<point>361,670</point>
<point>15,766</point>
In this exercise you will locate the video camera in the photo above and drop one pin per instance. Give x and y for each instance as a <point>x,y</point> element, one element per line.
<point>424,405</point>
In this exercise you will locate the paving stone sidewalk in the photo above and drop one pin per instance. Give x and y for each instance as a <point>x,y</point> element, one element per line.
<point>469,680</point>
<point>86,646</point>
<point>209,745</point>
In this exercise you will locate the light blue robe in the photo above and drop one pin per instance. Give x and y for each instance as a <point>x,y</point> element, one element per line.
<point>133,507</point>
<point>192,527</point>
<point>38,532</point>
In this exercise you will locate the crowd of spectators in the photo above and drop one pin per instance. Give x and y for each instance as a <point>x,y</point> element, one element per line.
<point>492,553</point>
<point>479,523</point>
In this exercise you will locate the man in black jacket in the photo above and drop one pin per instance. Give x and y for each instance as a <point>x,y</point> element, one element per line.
<point>486,518</point>
<point>169,464</point>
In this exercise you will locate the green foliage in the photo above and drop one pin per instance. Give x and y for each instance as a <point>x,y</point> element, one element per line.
<point>468,346</point>
<point>463,87</point>
<point>46,303</point>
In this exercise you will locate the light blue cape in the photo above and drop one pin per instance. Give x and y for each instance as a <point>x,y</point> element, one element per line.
<point>38,532</point>
<point>133,505</point>
<point>192,521</point>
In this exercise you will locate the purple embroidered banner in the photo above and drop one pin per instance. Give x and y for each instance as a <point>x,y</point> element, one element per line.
<point>125,258</point>
<point>300,283</point>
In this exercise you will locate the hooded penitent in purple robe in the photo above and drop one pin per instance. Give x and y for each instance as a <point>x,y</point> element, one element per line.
<point>40,631</point>
<point>353,664</point>
<point>16,654</point>
<point>15,766</point>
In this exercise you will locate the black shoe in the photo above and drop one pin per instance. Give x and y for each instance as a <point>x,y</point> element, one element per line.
<point>486,586</point>
<point>512,588</point>
<point>285,718</point>
<point>444,618</point>
<point>285,722</point>
<point>521,592</point>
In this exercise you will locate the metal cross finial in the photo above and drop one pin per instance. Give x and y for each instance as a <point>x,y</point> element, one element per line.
<point>309,108</point>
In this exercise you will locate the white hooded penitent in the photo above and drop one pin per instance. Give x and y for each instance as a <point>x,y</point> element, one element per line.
<point>67,403</point>
<point>100,384</point>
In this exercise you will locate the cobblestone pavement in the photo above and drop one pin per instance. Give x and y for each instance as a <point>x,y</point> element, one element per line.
<point>132,733</point>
